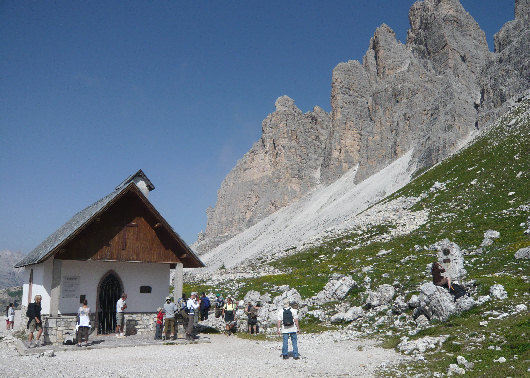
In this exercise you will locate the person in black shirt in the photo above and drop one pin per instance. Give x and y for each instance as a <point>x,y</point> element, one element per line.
<point>34,320</point>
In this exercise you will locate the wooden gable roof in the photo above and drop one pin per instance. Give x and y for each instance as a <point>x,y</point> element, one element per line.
<point>122,226</point>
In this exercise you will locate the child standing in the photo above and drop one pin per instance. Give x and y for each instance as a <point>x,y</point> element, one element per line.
<point>159,322</point>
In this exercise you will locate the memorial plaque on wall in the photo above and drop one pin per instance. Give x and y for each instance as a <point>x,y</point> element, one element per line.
<point>70,287</point>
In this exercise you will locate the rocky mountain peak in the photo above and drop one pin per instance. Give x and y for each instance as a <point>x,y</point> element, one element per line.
<point>423,97</point>
<point>522,9</point>
<point>285,103</point>
<point>443,34</point>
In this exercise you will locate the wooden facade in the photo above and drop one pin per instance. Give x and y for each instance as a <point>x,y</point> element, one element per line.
<point>128,230</point>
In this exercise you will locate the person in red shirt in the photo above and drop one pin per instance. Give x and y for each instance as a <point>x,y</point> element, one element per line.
<point>159,322</point>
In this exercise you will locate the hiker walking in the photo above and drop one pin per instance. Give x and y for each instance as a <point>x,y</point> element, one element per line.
<point>288,327</point>
<point>204,306</point>
<point>170,308</point>
<point>34,320</point>
<point>121,305</point>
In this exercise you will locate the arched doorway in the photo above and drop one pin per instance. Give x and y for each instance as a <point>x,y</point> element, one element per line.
<point>109,291</point>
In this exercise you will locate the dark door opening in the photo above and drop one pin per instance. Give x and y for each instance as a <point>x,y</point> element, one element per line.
<point>109,292</point>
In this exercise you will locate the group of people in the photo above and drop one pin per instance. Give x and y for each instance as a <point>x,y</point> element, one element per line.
<point>10,316</point>
<point>186,311</point>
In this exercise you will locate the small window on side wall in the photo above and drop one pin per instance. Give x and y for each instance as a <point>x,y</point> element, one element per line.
<point>145,289</point>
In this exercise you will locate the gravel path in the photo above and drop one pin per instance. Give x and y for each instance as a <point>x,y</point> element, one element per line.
<point>321,355</point>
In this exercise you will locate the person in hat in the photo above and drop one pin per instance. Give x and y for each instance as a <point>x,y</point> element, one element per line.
<point>159,322</point>
<point>288,327</point>
<point>170,309</point>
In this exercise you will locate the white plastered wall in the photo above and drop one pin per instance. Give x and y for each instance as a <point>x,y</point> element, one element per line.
<point>42,279</point>
<point>132,275</point>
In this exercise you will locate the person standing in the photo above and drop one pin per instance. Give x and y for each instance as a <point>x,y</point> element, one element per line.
<point>252,320</point>
<point>11,316</point>
<point>219,304</point>
<point>34,320</point>
<point>229,314</point>
<point>193,306</point>
<point>289,327</point>
<point>159,322</point>
<point>170,308</point>
<point>204,306</point>
<point>84,323</point>
<point>121,305</point>
<point>6,317</point>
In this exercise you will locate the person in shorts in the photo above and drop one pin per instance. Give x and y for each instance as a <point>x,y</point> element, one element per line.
<point>229,314</point>
<point>121,305</point>
<point>34,321</point>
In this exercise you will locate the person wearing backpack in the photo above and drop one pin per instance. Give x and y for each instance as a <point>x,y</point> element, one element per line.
<point>289,327</point>
<point>204,306</point>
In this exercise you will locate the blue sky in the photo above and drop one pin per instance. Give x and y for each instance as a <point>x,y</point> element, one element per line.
<point>92,91</point>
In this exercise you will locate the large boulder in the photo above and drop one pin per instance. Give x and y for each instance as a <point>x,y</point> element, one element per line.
<point>436,302</point>
<point>451,258</point>
<point>335,290</point>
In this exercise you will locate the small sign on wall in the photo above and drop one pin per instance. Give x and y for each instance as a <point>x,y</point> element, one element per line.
<point>70,287</point>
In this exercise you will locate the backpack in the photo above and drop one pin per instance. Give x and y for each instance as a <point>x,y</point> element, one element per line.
<point>206,302</point>
<point>29,311</point>
<point>253,312</point>
<point>457,291</point>
<point>288,319</point>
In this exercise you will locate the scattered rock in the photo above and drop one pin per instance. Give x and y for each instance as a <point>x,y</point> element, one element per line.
<point>422,321</point>
<point>353,313</point>
<point>336,289</point>
<point>455,369</point>
<point>500,360</point>
<point>464,303</point>
<point>383,296</point>
<point>483,299</point>
<point>489,237</point>
<point>414,301</point>
<point>497,291</point>
<point>521,308</point>
<point>399,305</point>
<point>523,253</point>
<point>421,345</point>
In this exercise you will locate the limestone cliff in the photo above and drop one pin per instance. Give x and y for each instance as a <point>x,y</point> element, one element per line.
<point>427,94</point>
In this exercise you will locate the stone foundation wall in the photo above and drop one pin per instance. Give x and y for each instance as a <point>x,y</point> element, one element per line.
<point>58,329</point>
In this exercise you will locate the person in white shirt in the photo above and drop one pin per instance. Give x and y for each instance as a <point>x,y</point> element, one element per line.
<point>11,316</point>
<point>288,327</point>
<point>84,323</point>
<point>193,306</point>
<point>120,307</point>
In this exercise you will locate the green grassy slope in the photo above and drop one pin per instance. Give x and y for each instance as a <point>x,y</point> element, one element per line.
<point>485,186</point>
